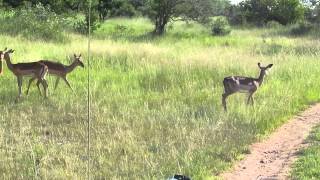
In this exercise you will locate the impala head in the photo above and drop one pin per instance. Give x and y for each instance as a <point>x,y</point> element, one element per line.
<point>6,53</point>
<point>2,54</point>
<point>264,70</point>
<point>78,61</point>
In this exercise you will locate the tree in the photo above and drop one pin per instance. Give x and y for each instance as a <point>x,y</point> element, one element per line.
<point>12,3</point>
<point>161,12</point>
<point>112,8</point>
<point>58,6</point>
<point>262,11</point>
<point>104,6</point>
<point>313,10</point>
<point>287,11</point>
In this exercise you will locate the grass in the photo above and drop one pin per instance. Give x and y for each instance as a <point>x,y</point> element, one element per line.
<point>42,137</point>
<point>156,102</point>
<point>308,164</point>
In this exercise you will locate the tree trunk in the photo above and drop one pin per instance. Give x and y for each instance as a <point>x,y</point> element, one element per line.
<point>159,29</point>
<point>160,25</point>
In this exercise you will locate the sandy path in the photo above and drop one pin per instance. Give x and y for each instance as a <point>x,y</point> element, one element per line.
<point>272,158</point>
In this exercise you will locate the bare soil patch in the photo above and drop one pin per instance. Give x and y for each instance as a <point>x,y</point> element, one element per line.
<point>273,157</point>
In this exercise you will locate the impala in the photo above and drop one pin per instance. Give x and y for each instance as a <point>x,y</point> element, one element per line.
<point>234,84</point>
<point>60,70</point>
<point>34,69</point>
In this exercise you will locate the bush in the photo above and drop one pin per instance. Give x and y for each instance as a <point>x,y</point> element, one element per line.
<point>220,25</point>
<point>273,25</point>
<point>77,24</point>
<point>37,22</point>
<point>301,28</point>
<point>126,9</point>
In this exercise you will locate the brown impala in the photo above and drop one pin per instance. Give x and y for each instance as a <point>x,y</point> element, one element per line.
<point>233,84</point>
<point>60,70</point>
<point>34,69</point>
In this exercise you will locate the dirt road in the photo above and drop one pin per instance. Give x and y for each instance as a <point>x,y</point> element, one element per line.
<point>272,158</point>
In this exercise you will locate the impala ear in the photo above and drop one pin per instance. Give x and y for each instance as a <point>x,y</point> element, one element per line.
<point>74,55</point>
<point>270,65</point>
<point>80,55</point>
<point>259,64</point>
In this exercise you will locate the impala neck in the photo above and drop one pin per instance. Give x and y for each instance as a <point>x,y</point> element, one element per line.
<point>8,62</point>
<point>261,77</point>
<point>71,67</point>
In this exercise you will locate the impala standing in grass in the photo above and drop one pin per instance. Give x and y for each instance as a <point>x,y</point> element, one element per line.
<point>60,70</point>
<point>249,85</point>
<point>35,69</point>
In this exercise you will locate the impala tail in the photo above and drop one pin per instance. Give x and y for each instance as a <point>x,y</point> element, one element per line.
<point>228,84</point>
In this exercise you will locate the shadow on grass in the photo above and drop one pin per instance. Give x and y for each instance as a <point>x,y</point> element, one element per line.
<point>274,48</point>
<point>150,37</point>
<point>147,37</point>
<point>288,33</point>
<point>34,38</point>
<point>9,98</point>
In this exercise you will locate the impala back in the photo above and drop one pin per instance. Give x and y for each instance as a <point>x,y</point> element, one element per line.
<point>54,67</point>
<point>26,68</point>
<point>239,84</point>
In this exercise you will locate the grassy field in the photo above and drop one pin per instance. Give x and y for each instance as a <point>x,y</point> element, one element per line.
<point>308,165</point>
<point>156,102</point>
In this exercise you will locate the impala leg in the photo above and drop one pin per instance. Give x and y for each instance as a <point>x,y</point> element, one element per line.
<point>38,85</point>
<point>65,80</point>
<point>249,98</point>
<point>45,87</point>
<point>57,82</point>
<point>19,79</point>
<point>224,103</point>
<point>30,82</point>
<point>252,101</point>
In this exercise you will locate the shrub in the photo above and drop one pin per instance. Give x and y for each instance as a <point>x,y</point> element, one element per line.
<point>220,25</point>
<point>37,22</point>
<point>301,28</point>
<point>77,24</point>
<point>273,25</point>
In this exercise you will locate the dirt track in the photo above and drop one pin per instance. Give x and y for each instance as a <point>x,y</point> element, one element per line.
<point>272,158</point>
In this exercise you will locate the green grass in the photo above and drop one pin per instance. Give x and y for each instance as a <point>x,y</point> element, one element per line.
<point>308,164</point>
<point>156,102</point>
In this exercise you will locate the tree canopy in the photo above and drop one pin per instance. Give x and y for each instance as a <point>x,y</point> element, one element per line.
<point>162,12</point>
<point>262,11</point>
